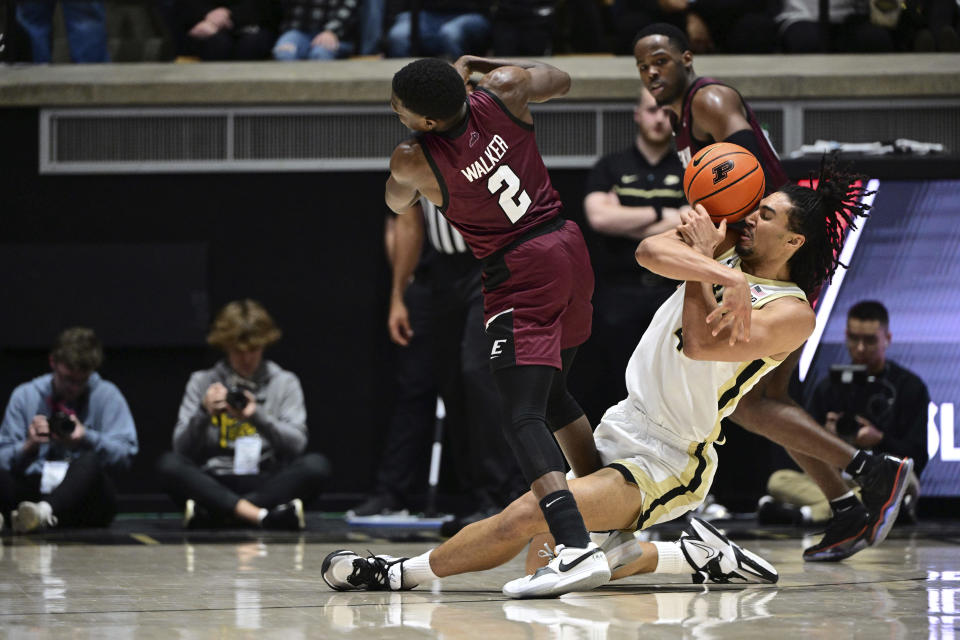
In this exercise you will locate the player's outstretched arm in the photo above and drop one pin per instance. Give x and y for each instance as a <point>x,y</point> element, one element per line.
<point>672,256</point>
<point>775,329</point>
<point>516,82</point>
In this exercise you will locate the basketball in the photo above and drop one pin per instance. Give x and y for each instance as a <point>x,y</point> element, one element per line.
<point>726,179</point>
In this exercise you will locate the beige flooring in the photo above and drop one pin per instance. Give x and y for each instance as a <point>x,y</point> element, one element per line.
<point>908,588</point>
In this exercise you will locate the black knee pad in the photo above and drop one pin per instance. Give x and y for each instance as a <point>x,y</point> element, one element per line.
<point>535,449</point>
<point>562,411</point>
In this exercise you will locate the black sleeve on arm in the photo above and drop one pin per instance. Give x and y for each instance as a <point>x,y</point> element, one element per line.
<point>747,139</point>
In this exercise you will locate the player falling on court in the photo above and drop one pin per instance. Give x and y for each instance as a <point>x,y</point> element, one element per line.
<point>476,158</point>
<point>738,314</point>
<point>704,111</point>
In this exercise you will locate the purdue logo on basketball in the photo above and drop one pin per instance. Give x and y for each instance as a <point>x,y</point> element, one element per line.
<point>721,170</point>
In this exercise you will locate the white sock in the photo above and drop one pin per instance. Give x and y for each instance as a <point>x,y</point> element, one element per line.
<point>262,514</point>
<point>670,558</point>
<point>417,570</point>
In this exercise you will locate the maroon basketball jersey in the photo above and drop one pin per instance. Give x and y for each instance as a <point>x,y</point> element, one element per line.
<point>494,183</point>
<point>688,146</point>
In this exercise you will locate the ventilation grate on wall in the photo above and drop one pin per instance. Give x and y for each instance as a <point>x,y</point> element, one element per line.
<point>329,136</point>
<point>361,137</point>
<point>137,139</point>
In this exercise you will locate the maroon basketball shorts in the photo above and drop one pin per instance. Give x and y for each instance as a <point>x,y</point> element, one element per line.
<point>536,296</point>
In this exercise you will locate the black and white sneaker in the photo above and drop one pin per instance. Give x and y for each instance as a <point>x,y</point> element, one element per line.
<point>881,490</point>
<point>344,570</point>
<point>570,569</point>
<point>718,559</point>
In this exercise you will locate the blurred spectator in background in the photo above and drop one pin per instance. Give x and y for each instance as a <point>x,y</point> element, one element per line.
<point>229,29</point>
<point>63,435</point>
<point>238,447</point>
<point>523,27</point>
<point>370,18</point>
<point>316,29</point>
<point>85,22</point>
<point>884,411</point>
<point>852,28</point>
<point>730,26</point>
<point>934,24</point>
<point>447,28</point>
<point>631,194</point>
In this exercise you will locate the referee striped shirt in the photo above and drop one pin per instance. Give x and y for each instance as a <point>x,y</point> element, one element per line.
<point>444,238</point>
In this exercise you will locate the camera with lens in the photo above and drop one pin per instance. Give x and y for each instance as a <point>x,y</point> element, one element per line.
<point>236,398</point>
<point>61,424</point>
<point>861,394</point>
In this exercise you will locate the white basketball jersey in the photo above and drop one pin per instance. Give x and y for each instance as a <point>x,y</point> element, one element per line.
<point>690,397</point>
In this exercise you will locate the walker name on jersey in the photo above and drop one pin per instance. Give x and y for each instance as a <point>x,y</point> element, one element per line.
<point>486,162</point>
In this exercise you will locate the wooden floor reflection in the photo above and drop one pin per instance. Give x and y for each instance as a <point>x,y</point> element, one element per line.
<point>908,588</point>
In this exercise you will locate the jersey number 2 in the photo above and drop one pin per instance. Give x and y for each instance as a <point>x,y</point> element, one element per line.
<point>514,208</point>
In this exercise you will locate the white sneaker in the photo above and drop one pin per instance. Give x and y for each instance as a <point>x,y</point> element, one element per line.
<point>344,570</point>
<point>570,569</point>
<point>31,516</point>
<point>718,559</point>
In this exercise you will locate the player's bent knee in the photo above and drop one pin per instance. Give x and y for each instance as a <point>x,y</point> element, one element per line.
<point>522,518</point>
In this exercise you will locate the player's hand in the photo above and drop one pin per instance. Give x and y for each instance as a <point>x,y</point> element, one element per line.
<point>215,399</point>
<point>868,436</point>
<point>733,313</point>
<point>326,39</point>
<point>398,322</point>
<point>37,433</point>
<point>220,17</point>
<point>462,65</point>
<point>698,230</point>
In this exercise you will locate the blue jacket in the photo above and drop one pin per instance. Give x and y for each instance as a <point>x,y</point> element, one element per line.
<point>110,431</point>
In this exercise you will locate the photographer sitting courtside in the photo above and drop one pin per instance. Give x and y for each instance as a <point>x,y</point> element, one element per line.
<point>875,404</point>
<point>241,433</point>
<point>63,435</point>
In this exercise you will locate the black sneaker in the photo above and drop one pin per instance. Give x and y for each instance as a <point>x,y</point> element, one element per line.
<point>287,517</point>
<point>846,534</point>
<point>344,570</point>
<point>881,490</point>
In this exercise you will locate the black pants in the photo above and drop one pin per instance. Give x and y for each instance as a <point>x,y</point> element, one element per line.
<point>183,479</point>
<point>87,496</point>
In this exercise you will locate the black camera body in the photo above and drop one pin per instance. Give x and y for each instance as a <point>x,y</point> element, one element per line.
<point>862,394</point>
<point>237,399</point>
<point>61,424</point>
